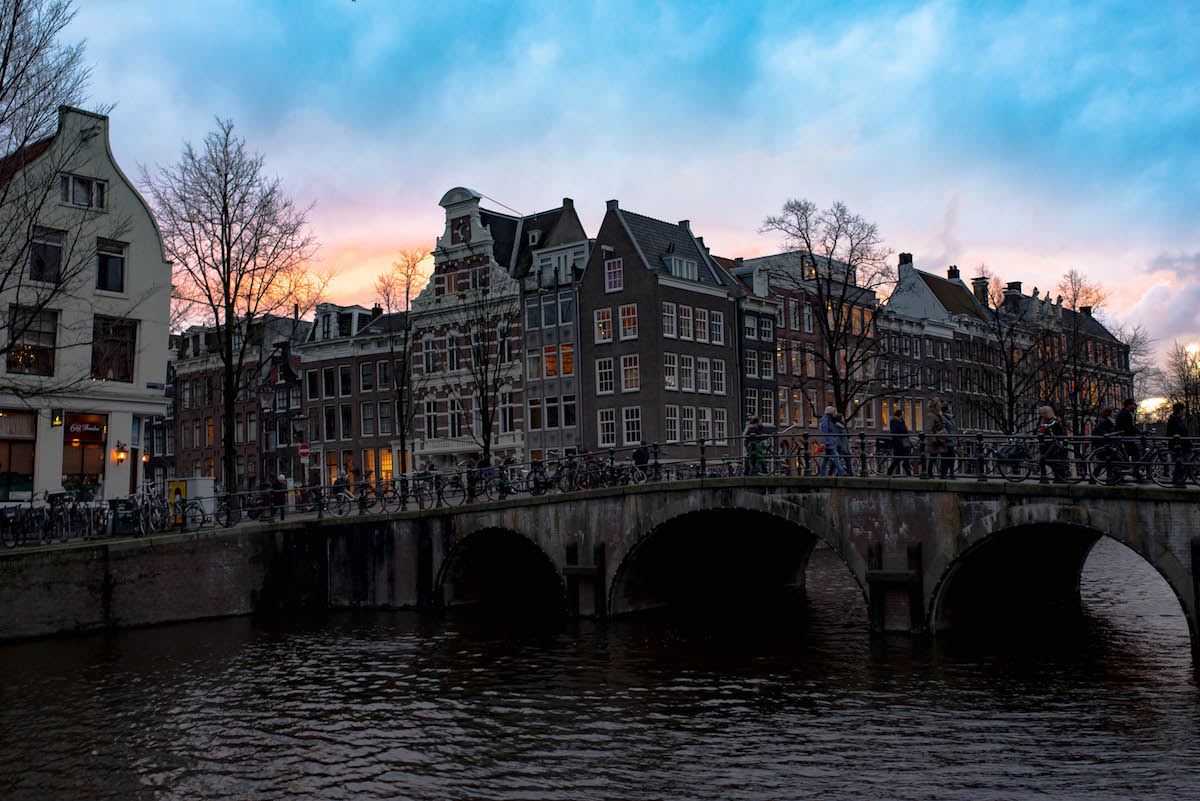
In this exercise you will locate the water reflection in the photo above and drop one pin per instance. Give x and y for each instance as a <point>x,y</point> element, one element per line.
<point>790,699</point>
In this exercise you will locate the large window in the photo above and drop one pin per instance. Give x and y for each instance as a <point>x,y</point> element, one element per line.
<point>631,376</point>
<point>330,385</point>
<point>716,331</point>
<point>668,319</point>
<point>670,371</point>
<point>86,192</point>
<point>702,374</point>
<point>604,330</point>
<point>604,376</point>
<point>607,427</point>
<point>312,384</point>
<point>672,430</point>
<point>346,413</point>
<point>687,372</point>
<point>632,418</point>
<point>45,255</point>
<point>688,424</point>
<point>345,387</point>
<point>718,376</point>
<point>701,325</point>
<point>110,267</point>
<point>532,317</point>
<point>430,417</point>
<point>567,351</point>
<point>114,344</point>
<point>366,377</point>
<point>533,364</point>
<point>385,418</point>
<point>368,420</point>
<point>629,321</point>
<point>719,426</point>
<point>33,335</point>
<point>550,361</point>
<point>682,268</point>
<point>685,322</point>
<point>614,275</point>
<point>568,411</point>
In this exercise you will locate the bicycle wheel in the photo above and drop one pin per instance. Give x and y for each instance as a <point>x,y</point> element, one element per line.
<point>486,489</point>
<point>1160,464</point>
<point>368,499</point>
<point>159,517</point>
<point>453,492</point>
<point>226,515</point>
<point>194,516</point>
<point>1016,468</point>
<point>424,493</point>
<point>339,505</point>
<point>1107,466</point>
<point>389,500</point>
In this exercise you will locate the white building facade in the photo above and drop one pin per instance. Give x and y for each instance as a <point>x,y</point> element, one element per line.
<point>85,299</point>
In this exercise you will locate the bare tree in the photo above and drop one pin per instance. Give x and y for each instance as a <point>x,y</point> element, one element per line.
<point>394,291</point>
<point>836,260</point>
<point>52,224</point>
<point>242,250</point>
<point>1181,381</point>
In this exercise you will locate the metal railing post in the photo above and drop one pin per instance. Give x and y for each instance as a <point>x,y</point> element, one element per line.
<point>321,501</point>
<point>924,455</point>
<point>1141,457</point>
<point>1042,478</point>
<point>1178,480</point>
<point>980,467</point>
<point>862,453</point>
<point>703,460</point>
<point>657,466</point>
<point>807,454</point>
<point>612,466</point>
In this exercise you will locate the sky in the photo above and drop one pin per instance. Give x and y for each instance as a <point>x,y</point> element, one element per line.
<point>1033,137</point>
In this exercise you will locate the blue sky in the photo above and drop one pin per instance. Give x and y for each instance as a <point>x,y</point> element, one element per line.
<point>1032,137</point>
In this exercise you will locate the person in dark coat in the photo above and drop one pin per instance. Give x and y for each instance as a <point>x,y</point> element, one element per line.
<point>950,462</point>
<point>1130,436</point>
<point>901,451</point>
<point>1052,436</point>
<point>278,495</point>
<point>1177,426</point>
<point>641,456</point>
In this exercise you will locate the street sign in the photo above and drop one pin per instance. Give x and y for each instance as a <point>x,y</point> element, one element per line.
<point>302,450</point>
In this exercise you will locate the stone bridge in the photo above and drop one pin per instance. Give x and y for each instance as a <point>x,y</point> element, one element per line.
<point>927,555</point>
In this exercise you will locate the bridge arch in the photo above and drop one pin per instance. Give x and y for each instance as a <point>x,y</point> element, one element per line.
<point>675,537</point>
<point>501,568</point>
<point>1043,548</point>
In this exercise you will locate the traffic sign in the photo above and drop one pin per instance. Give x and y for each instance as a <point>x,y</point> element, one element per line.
<point>303,450</point>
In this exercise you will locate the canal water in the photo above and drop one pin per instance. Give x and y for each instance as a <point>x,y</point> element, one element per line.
<point>793,702</point>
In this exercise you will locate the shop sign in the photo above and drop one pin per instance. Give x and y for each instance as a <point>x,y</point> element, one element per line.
<point>87,427</point>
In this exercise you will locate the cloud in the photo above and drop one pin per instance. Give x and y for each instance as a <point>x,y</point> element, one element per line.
<point>1170,312</point>
<point>1181,263</point>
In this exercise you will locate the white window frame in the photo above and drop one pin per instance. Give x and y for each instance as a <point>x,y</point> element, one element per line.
<point>625,312</point>
<point>597,330</point>
<point>700,324</point>
<point>631,414</point>
<point>702,375</point>
<point>631,362</point>
<point>605,366</point>
<point>716,328</point>
<point>720,426</point>
<point>668,319</point>
<point>687,373</point>
<point>670,372</point>
<point>717,378</point>
<point>614,275</point>
<point>685,322</point>
<point>672,423</point>
<point>606,417</point>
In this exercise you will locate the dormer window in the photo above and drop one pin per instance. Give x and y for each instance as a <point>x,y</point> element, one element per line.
<point>534,237</point>
<point>682,268</point>
<point>83,192</point>
<point>325,326</point>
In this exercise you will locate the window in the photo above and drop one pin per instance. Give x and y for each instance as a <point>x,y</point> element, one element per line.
<point>330,422</point>
<point>687,372</point>
<point>550,361</point>
<point>701,325</point>
<point>682,268</point>
<point>110,268</point>
<point>534,419</point>
<point>312,384</point>
<point>454,418</point>
<point>716,330</point>
<point>385,464</point>
<point>327,380</point>
<point>430,419</point>
<point>567,351</point>
<point>381,375</point>
<point>82,191</point>
<point>632,417</point>
<point>704,423</point>
<point>532,318</point>
<point>631,376</point>
<point>347,421</point>
<point>614,275</point>
<point>452,352</point>
<point>208,431</point>
<point>810,363</point>
<point>604,376</point>
<point>629,321</point>
<point>344,385</point>
<point>366,377</point>
<point>718,376</point>
<point>685,322</point>
<point>549,311</point>
<point>766,329</point>
<point>368,420</point>
<point>702,375</point>
<point>603,318</point>
<point>752,364</point>
<point>668,319</point>
<point>766,366</point>
<point>808,318</point>
<point>45,255</point>
<point>670,371</point>
<point>768,407</point>
<point>749,327</point>
<point>607,427</point>
<point>295,393</point>
<point>568,411</point>
<point>385,418</point>
<point>368,463</point>
<point>533,364</point>
<point>672,432</point>
<point>552,413</point>
<point>794,314</point>
<point>720,426</point>
<point>687,428</point>
<point>113,347</point>
<point>751,403</point>
<point>506,412</point>
<point>325,323</point>
<point>33,335</point>
<point>429,352</point>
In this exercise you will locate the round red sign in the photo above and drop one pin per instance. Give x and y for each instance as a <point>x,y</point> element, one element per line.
<point>302,450</point>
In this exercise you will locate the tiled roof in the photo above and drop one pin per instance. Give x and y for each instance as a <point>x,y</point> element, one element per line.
<point>504,234</point>
<point>659,239</point>
<point>384,324</point>
<point>14,162</point>
<point>954,297</point>
<point>543,222</point>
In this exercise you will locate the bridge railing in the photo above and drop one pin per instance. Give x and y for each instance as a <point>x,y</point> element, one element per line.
<point>1167,462</point>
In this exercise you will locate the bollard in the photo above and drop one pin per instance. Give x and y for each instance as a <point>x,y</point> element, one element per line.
<point>980,467</point>
<point>1042,477</point>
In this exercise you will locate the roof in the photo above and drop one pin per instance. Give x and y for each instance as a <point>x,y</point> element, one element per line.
<point>384,324</point>
<point>1072,320</point>
<point>504,235</point>
<point>953,295</point>
<point>543,222</point>
<point>658,239</point>
<point>16,161</point>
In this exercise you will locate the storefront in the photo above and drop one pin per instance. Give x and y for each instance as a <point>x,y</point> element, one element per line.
<point>84,444</point>
<point>18,435</point>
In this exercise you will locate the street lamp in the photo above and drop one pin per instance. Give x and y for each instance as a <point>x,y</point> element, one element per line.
<point>121,453</point>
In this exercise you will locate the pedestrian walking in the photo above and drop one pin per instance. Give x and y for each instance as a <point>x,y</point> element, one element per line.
<point>950,462</point>
<point>753,435</point>
<point>1180,444</point>
<point>901,450</point>
<point>830,462</point>
<point>936,439</point>
<point>1130,436</point>
<point>1052,436</point>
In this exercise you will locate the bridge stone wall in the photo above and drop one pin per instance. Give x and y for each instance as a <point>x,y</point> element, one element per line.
<point>904,541</point>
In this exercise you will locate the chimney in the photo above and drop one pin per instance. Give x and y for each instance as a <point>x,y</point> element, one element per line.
<point>686,225</point>
<point>952,272</point>
<point>906,258</point>
<point>1086,310</point>
<point>1012,286</point>
<point>568,203</point>
<point>700,242</point>
<point>739,260</point>
<point>612,205</point>
<point>376,311</point>
<point>759,281</point>
<point>979,288</point>
<point>295,311</point>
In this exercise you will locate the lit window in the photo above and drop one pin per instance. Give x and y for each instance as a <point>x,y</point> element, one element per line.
<point>604,331</point>
<point>670,371</point>
<point>631,374</point>
<point>550,361</point>
<point>629,321</point>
